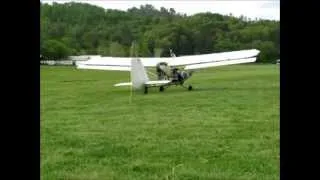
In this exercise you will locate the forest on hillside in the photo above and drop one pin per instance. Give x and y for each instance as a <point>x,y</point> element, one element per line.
<point>80,28</point>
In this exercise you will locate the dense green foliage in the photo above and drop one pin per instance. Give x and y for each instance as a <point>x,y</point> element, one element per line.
<point>86,29</point>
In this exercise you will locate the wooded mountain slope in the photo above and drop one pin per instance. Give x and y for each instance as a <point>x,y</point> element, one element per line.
<point>79,28</point>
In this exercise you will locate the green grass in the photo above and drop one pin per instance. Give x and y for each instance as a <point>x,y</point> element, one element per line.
<point>226,129</point>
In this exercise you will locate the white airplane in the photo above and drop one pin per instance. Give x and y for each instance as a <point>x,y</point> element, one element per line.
<point>166,67</point>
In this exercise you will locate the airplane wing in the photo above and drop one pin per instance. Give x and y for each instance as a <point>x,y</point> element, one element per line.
<point>219,63</point>
<point>218,59</point>
<point>189,62</point>
<point>106,63</point>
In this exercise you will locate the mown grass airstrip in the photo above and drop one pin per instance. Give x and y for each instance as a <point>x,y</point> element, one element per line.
<point>227,128</point>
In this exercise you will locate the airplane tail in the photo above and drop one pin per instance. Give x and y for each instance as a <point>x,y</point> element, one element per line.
<point>138,74</point>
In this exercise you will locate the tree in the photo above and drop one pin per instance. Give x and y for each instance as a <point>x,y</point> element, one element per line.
<point>269,52</point>
<point>117,50</point>
<point>55,50</point>
<point>158,52</point>
<point>83,28</point>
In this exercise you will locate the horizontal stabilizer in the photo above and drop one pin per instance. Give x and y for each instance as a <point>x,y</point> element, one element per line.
<point>148,83</point>
<point>157,82</point>
<point>123,84</point>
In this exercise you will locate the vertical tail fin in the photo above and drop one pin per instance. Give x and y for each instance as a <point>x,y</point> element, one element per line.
<point>138,74</point>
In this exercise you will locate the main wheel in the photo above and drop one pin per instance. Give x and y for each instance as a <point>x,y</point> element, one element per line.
<point>190,88</point>
<point>146,90</point>
<point>161,88</point>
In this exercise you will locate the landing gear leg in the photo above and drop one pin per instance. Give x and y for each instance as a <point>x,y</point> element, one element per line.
<point>145,90</point>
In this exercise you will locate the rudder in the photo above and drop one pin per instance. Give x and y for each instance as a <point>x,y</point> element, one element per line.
<point>138,74</point>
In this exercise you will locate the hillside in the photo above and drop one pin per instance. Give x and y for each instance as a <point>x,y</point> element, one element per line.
<point>79,28</point>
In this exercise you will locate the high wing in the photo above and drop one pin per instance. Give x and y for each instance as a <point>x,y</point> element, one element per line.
<point>189,62</point>
<point>106,63</point>
<point>219,63</point>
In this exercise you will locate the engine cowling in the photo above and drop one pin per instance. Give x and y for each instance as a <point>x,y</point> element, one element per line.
<point>162,70</point>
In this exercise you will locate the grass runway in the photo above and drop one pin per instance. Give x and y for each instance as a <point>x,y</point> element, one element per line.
<point>227,128</point>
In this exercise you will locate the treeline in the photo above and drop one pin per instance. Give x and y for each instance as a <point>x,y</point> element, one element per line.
<point>78,29</point>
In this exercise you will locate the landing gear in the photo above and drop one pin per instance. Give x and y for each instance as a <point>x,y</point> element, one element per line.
<point>189,87</point>
<point>145,90</point>
<point>161,88</point>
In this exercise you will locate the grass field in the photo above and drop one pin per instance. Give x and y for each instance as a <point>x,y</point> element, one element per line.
<point>226,129</point>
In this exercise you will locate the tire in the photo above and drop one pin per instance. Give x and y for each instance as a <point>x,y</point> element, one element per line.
<point>145,90</point>
<point>190,88</point>
<point>161,88</point>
